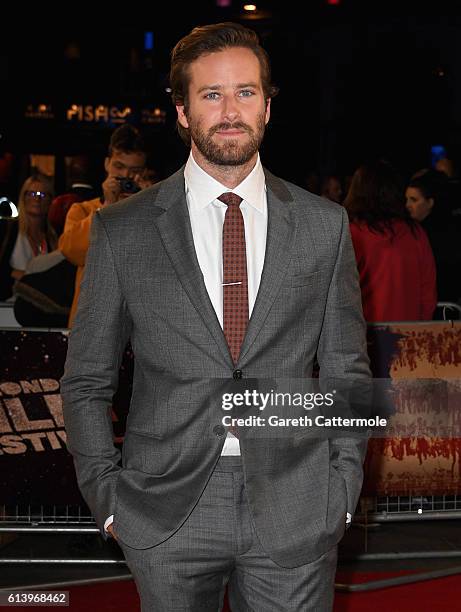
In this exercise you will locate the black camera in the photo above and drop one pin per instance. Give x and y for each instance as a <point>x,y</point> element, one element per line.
<point>128,185</point>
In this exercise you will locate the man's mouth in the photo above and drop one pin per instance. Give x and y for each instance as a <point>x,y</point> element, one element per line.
<point>231,132</point>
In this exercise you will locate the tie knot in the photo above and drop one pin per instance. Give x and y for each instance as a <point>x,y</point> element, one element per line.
<point>231,199</point>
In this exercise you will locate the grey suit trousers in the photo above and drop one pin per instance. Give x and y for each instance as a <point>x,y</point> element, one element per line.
<point>216,546</point>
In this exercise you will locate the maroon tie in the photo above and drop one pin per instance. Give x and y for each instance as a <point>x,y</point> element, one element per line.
<point>235,279</point>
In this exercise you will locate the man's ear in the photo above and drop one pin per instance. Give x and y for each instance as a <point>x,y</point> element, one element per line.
<point>182,116</point>
<point>268,110</point>
<point>106,164</point>
<point>431,203</point>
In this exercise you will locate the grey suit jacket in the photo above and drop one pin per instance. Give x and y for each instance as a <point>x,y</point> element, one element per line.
<point>143,282</point>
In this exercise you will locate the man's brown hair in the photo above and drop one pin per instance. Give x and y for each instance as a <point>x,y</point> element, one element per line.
<point>211,39</point>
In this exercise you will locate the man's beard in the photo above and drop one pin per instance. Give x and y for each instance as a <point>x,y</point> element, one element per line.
<point>231,152</point>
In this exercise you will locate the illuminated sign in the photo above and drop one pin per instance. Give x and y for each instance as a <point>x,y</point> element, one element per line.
<point>153,116</point>
<point>95,114</point>
<point>39,111</point>
<point>99,113</point>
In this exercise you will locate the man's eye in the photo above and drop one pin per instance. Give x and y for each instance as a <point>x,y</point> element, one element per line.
<point>212,95</point>
<point>246,93</point>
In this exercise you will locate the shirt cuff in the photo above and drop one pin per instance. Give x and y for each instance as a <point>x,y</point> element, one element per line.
<point>108,522</point>
<point>348,518</point>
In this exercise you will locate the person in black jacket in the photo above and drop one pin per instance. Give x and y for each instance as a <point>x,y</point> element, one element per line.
<point>427,201</point>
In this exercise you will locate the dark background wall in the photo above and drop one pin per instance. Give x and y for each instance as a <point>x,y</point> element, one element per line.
<point>357,80</point>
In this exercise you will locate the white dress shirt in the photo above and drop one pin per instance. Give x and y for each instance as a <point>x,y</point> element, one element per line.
<point>206,215</point>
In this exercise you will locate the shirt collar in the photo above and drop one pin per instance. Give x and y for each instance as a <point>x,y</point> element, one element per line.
<point>206,189</point>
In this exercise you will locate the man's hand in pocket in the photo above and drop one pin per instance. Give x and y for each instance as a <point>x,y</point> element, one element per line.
<point>110,529</point>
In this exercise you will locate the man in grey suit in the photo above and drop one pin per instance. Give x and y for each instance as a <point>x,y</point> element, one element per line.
<point>221,273</point>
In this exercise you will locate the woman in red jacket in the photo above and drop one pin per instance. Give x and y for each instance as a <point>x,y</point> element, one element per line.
<point>394,257</point>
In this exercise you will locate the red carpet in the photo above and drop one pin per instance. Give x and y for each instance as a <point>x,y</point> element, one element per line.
<point>441,595</point>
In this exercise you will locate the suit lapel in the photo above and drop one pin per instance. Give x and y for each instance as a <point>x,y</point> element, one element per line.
<point>280,232</point>
<point>176,235</point>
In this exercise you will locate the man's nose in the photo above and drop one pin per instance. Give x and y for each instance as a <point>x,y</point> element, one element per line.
<point>230,110</point>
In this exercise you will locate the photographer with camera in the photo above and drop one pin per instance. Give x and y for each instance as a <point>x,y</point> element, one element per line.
<point>125,166</point>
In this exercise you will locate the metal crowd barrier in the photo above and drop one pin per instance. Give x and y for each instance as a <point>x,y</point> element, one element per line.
<point>46,519</point>
<point>384,509</point>
<point>397,508</point>
<point>55,521</point>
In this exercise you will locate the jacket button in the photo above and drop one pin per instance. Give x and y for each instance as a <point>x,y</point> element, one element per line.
<point>219,430</point>
<point>237,374</point>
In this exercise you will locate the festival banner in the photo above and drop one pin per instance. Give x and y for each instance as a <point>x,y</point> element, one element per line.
<point>419,358</point>
<point>35,467</point>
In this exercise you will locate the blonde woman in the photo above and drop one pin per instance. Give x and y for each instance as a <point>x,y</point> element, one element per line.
<point>27,236</point>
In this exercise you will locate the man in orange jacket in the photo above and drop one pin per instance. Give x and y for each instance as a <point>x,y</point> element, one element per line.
<point>125,165</point>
